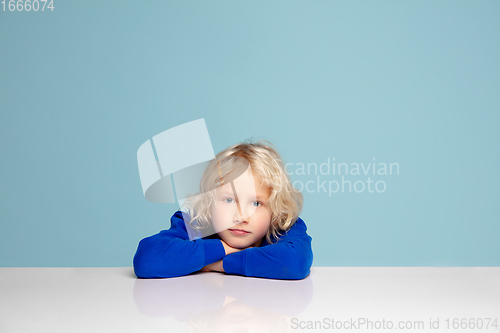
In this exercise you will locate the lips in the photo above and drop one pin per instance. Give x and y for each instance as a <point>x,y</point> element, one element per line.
<point>239,231</point>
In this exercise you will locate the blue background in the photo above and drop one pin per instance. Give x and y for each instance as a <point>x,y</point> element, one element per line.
<point>409,82</point>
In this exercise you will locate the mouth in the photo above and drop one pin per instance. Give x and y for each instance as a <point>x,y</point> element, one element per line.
<point>239,232</point>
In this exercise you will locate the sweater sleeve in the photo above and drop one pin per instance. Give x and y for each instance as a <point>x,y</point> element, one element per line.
<point>290,258</point>
<point>170,253</point>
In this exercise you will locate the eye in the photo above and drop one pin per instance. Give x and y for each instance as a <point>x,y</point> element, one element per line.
<point>228,200</point>
<point>257,204</point>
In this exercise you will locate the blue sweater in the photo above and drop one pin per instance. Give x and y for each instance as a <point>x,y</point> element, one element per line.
<point>170,253</point>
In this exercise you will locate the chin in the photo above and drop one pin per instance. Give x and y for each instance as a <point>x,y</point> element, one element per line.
<point>238,244</point>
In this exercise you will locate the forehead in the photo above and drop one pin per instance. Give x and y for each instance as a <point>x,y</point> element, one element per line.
<point>248,187</point>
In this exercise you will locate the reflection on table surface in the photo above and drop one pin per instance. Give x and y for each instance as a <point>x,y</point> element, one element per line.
<point>225,303</point>
<point>113,300</point>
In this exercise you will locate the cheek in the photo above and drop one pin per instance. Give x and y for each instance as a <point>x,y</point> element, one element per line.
<point>221,217</point>
<point>264,222</point>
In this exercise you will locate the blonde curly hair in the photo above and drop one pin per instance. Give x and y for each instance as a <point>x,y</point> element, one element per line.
<point>285,202</point>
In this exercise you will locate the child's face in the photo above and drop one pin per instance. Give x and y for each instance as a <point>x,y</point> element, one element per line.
<point>251,197</point>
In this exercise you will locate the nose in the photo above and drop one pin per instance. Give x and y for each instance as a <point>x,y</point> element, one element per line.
<point>240,215</point>
<point>239,219</point>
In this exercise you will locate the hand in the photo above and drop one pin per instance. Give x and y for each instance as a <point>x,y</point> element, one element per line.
<point>214,267</point>
<point>229,249</point>
<point>217,266</point>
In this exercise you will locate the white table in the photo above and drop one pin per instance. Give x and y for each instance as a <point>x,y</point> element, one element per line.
<point>113,300</point>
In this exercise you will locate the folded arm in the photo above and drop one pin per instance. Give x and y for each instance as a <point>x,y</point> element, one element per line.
<point>170,253</point>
